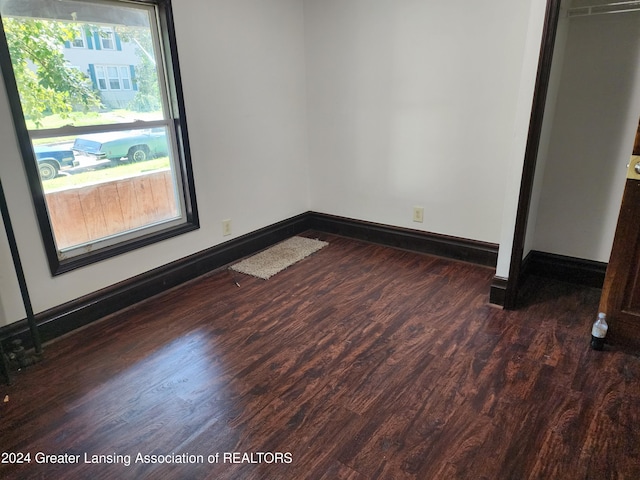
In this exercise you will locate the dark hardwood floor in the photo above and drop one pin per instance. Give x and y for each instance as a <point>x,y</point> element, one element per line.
<point>359,362</point>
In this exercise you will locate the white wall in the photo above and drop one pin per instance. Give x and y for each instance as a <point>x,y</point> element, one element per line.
<point>593,131</point>
<point>547,123</point>
<point>243,71</point>
<point>8,281</point>
<point>415,103</point>
<point>361,108</point>
<point>531,57</point>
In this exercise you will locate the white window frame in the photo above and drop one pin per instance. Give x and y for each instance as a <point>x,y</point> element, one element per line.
<point>107,34</point>
<point>124,73</point>
<point>102,73</point>
<point>80,36</point>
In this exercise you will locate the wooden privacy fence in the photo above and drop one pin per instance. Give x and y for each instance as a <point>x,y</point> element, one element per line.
<point>83,214</point>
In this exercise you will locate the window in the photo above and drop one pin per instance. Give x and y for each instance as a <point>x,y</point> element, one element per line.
<point>113,77</point>
<point>104,179</point>
<point>78,40</point>
<point>101,77</point>
<point>107,38</point>
<point>124,78</point>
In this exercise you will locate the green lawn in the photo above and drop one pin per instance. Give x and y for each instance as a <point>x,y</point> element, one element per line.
<point>79,119</point>
<point>104,174</point>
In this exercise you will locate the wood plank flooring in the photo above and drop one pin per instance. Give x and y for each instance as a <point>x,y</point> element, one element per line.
<point>360,362</point>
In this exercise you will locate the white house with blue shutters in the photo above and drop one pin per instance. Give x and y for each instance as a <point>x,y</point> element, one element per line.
<point>101,53</point>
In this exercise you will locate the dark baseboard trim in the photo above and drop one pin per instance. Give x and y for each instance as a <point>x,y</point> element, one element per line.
<point>77,313</point>
<point>498,292</point>
<point>568,269</point>
<point>549,265</point>
<point>480,253</point>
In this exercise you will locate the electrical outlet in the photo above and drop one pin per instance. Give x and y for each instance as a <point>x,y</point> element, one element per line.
<point>226,228</point>
<point>418,214</point>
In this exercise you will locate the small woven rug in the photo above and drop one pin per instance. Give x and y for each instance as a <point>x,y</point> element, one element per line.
<point>278,257</point>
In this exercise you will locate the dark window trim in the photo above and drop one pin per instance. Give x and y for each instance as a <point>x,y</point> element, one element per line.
<point>57,266</point>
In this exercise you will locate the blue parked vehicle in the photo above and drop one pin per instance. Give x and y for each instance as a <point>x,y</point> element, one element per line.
<point>52,159</point>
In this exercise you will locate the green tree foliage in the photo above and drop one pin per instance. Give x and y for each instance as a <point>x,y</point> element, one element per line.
<point>47,83</point>
<point>147,97</point>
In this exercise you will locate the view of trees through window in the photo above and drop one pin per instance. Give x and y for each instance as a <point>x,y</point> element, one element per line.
<point>54,90</point>
<point>93,97</point>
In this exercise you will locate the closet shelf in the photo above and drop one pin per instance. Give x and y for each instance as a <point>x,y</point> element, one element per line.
<point>605,8</point>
